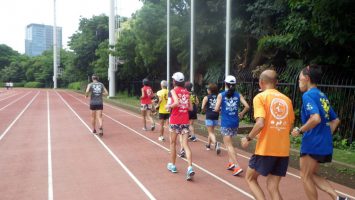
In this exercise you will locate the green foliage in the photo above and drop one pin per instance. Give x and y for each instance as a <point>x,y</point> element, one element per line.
<point>75,86</point>
<point>34,84</point>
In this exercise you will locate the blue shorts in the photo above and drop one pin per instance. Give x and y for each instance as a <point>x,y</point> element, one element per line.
<point>210,122</point>
<point>266,165</point>
<point>229,131</point>
<point>180,128</point>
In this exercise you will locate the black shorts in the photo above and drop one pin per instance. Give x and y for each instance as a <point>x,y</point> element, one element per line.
<point>96,107</point>
<point>266,165</point>
<point>164,116</point>
<point>193,113</point>
<point>319,158</point>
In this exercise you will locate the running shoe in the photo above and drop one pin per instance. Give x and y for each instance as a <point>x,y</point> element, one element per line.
<point>101,132</point>
<point>94,131</point>
<point>161,138</point>
<point>193,138</point>
<point>190,173</point>
<point>152,128</point>
<point>230,166</point>
<point>171,167</point>
<point>208,147</point>
<point>218,148</point>
<point>182,153</point>
<point>342,198</point>
<point>144,129</point>
<point>237,170</point>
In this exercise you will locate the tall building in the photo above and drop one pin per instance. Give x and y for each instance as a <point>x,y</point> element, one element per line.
<point>39,38</point>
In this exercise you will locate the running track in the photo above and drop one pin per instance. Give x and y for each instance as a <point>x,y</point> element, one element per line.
<point>48,152</point>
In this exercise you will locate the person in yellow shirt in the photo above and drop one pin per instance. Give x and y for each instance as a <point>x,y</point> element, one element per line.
<point>163,112</point>
<point>274,117</point>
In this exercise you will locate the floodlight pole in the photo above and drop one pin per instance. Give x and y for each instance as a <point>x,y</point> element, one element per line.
<point>112,42</point>
<point>192,41</point>
<point>228,38</point>
<point>168,43</point>
<point>55,61</point>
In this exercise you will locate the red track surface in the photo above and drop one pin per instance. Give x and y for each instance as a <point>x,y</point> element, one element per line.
<point>48,152</point>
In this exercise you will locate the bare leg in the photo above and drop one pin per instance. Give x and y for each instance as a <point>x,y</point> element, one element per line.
<point>173,137</point>
<point>252,179</point>
<point>211,135</point>
<point>323,184</point>
<point>99,117</point>
<point>273,183</point>
<point>308,166</point>
<point>187,149</point>
<point>231,151</point>
<point>149,115</point>
<point>162,122</point>
<point>93,119</point>
<point>144,113</point>
<point>191,127</point>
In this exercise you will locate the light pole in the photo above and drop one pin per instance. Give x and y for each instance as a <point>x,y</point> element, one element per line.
<point>168,43</point>
<point>55,61</point>
<point>112,61</point>
<point>228,38</point>
<point>192,42</point>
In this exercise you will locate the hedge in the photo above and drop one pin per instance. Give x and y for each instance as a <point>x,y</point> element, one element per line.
<point>34,85</point>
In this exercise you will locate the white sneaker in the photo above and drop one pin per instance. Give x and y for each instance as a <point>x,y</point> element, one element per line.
<point>161,138</point>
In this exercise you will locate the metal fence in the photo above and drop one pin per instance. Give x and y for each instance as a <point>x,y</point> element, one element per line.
<point>339,87</point>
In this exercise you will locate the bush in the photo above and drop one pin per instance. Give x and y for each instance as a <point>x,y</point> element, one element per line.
<point>75,85</point>
<point>34,85</point>
<point>20,84</point>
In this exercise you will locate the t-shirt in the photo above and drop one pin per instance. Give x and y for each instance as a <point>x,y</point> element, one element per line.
<point>210,106</point>
<point>96,89</point>
<point>277,111</point>
<point>318,140</point>
<point>163,94</point>
<point>148,93</point>
<point>229,110</point>
<point>179,114</point>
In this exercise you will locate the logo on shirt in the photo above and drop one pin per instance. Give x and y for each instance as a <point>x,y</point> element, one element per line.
<point>232,104</point>
<point>183,101</point>
<point>212,103</point>
<point>279,108</point>
<point>96,89</point>
<point>325,105</point>
<point>309,106</point>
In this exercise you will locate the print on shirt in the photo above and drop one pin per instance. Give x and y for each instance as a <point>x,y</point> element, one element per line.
<point>279,110</point>
<point>97,89</point>
<point>231,105</point>
<point>183,101</point>
<point>212,103</point>
<point>326,106</point>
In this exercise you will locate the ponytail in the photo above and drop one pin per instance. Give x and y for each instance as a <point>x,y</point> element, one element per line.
<point>231,90</point>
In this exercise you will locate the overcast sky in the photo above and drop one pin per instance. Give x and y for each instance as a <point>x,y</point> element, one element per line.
<point>15,15</point>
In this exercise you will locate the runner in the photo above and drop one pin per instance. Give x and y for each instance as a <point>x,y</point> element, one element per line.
<point>274,116</point>
<point>179,122</point>
<point>192,114</point>
<point>319,123</point>
<point>208,105</point>
<point>163,112</point>
<point>228,103</point>
<point>97,90</point>
<point>146,104</point>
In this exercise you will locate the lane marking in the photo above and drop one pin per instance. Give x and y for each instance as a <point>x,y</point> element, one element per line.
<point>134,178</point>
<point>14,101</point>
<point>14,94</point>
<point>241,155</point>
<point>18,117</point>
<point>50,174</point>
<point>196,165</point>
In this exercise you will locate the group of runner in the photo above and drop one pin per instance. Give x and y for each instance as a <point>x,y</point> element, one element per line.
<point>274,119</point>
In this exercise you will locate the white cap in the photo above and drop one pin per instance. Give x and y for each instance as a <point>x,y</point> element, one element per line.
<point>179,77</point>
<point>230,79</point>
<point>164,83</point>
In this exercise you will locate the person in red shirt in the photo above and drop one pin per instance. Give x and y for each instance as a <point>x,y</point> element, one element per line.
<point>146,104</point>
<point>179,122</point>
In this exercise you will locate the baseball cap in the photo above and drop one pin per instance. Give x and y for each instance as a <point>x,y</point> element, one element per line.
<point>178,76</point>
<point>230,79</point>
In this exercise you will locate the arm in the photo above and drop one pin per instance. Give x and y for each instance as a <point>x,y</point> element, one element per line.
<point>258,126</point>
<point>87,91</point>
<point>312,122</point>
<point>246,107</point>
<point>142,96</point>
<point>175,98</point>
<point>218,103</point>
<point>105,93</point>
<point>334,124</point>
<point>204,102</point>
<point>159,101</point>
<point>197,101</point>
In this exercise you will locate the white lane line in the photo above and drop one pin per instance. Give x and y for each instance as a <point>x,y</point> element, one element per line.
<point>14,94</point>
<point>18,117</point>
<point>14,101</point>
<point>50,174</point>
<point>163,147</point>
<point>241,155</point>
<point>145,190</point>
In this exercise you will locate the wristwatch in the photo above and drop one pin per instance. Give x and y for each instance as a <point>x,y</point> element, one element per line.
<point>248,138</point>
<point>299,130</point>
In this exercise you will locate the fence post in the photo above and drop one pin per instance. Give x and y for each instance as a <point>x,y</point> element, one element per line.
<point>352,128</point>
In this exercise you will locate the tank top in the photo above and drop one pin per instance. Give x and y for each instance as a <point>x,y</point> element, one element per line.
<point>229,110</point>
<point>96,89</point>
<point>179,114</point>
<point>210,106</point>
<point>148,93</point>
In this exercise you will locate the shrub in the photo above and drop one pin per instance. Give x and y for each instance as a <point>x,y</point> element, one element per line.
<point>20,84</point>
<point>75,85</point>
<point>34,85</point>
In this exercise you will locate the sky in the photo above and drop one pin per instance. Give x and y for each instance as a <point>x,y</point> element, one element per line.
<point>15,15</point>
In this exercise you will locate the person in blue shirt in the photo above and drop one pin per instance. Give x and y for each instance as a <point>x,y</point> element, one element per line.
<point>319,123</point>
<point>228,105</point>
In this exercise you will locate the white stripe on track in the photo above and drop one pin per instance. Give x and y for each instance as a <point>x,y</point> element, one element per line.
<point>241,155</point>
<point>134,178</point>
<point>14,94</point>
<point>163,147</point>
<point>14,101</point>
<point>50,172</point>
<point>18,117</point>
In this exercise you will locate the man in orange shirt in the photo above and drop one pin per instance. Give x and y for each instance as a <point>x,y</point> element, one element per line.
<point>274,117</point>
